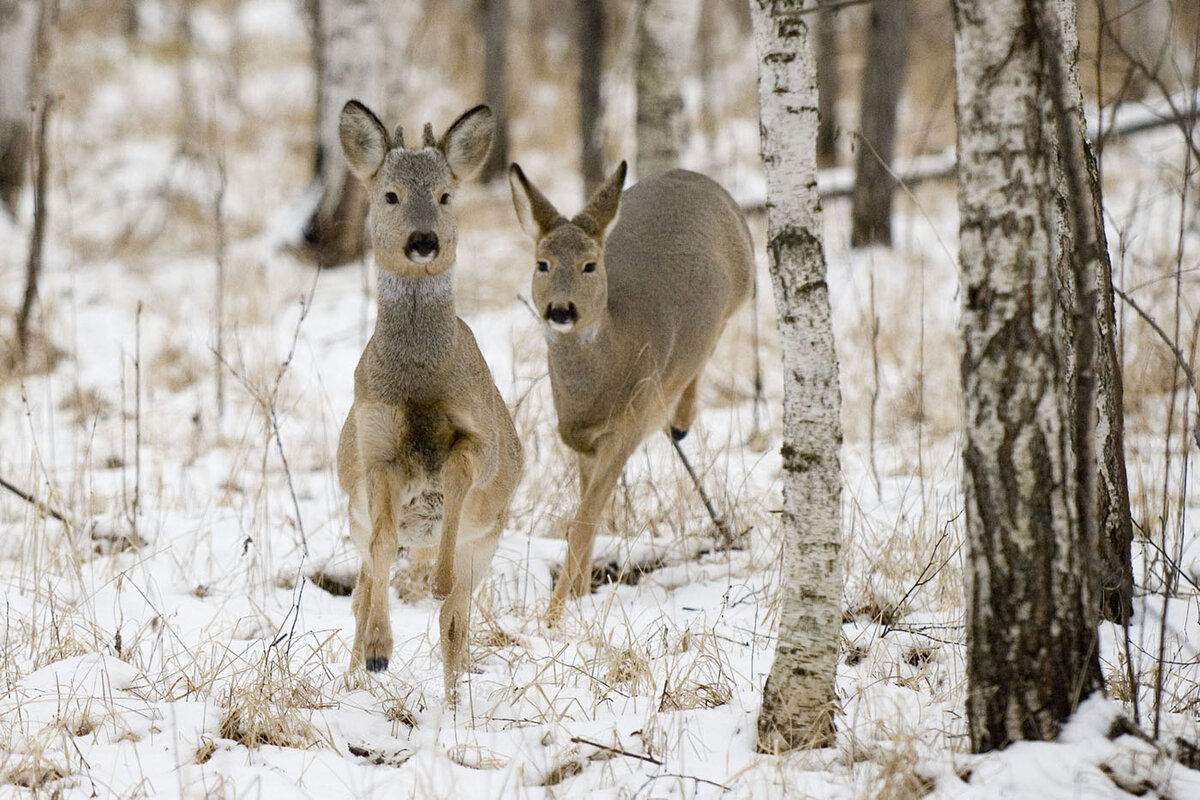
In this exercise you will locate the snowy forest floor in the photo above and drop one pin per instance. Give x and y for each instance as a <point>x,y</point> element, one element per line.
<point>187,632</point>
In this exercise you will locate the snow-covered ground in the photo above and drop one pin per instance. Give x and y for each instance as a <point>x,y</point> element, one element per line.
<point>186,633</point>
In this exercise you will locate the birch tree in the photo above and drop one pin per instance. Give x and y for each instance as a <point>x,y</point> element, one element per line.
<point>1031,599</point>
<point>18,23</point>
<point>882,84</point>
<point>666,30</point>
<point>1083,261</point>
<point>364,46</point>
<point>798,700</point>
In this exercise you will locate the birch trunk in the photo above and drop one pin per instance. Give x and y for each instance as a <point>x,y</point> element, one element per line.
<point>799,702</point>
<point>18,25</point>
<point>882,84</point>
<point>364,49</point>
<point>666,31</point>
<point>1085,262</point>
<point>1031,604</point>
<point>590,35</point>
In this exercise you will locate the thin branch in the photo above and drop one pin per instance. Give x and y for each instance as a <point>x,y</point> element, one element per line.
<point>722,525</point>
<point>616,751</point>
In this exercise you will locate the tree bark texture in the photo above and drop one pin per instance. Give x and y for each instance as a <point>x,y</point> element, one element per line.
<point>882,84</point>
<point>364,49</point>
<point>1084,262</point>
<point>666,31</point>
<point>590,35</point>
<point>799,701</point>
<point>18,25</point>
<point>1031,598</point>
<point>495,75</point>
<point>829,84</point>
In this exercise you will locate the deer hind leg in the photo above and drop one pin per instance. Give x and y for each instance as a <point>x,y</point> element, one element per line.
<point>472,561</point>
<point>685,411</point>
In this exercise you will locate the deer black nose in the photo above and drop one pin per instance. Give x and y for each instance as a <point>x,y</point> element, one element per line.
<point>562,315</point>
<point>422,246</point>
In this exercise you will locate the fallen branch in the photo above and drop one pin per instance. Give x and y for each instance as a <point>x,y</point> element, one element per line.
<point>1127,119</point>
<point>615,751</point>
<point>45,508</point>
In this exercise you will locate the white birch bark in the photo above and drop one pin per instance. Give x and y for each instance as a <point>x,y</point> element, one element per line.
<point>666,31</point>
<point>18,26</point>
<point>798,700</point>
<point>1031,653</point>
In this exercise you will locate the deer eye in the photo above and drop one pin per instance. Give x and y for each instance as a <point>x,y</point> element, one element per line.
<point>391,198</point>
<point>445,199</point>
<point>589,266</point>
<point>543,265</point>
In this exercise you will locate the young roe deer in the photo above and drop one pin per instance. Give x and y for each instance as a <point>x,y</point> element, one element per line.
<point>428,438</point>
<point>632,316</point>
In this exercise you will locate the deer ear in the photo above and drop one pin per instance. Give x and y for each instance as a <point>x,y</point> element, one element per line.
<point>468,141</point>
<point>536,214</point>
<point>364,139</point>
<point>601,209</point>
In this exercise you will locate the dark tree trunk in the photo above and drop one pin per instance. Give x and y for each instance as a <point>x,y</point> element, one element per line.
<point>883,80</point>
<point>1031,584</point>
<point>495,72</point>
<point>829,85</point>
<point>590,32</point>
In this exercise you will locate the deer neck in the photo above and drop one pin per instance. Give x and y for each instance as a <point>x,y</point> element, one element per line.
<point>416,324</point>
<point>580,358</point>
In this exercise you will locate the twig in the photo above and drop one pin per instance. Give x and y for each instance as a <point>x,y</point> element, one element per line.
<point>722,526</point>
<point>616,751</point>
<point>40,505</point>
<point>1179,357</point>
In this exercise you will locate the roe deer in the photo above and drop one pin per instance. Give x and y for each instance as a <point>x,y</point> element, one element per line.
<point>428,438</point>
<point>632,316</point>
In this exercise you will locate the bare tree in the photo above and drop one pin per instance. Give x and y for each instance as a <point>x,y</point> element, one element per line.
<point>829,82</point>
<point>666,30</point>
<point>590,35</point>
<point>18,23</point>
<point>798,700</point>
<point>363,48</point>
<point>1031,598</point>
<point>883,81</point>
<point>494,21</point>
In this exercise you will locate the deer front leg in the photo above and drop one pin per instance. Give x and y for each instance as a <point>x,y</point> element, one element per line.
<point>685,411</point>
<point>597,481</point>
<point>374,637</point>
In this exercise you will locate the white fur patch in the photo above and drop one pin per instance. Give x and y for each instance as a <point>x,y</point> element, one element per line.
<point>392,287</point>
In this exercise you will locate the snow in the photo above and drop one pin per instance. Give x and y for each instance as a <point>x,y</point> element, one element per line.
<point>174,641</point>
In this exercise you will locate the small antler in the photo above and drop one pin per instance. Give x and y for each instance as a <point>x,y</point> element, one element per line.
<point>398,137</point>
<point>430,139</point>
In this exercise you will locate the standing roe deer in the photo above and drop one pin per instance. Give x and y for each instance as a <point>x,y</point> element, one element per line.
<point>428,437</point>
<point>632,316</point>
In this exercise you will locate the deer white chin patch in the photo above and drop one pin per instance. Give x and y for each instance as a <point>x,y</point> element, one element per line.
<point>417,258</point>
<point>560,327</point>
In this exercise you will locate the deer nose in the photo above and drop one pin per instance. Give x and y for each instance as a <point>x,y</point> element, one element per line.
<point>562,314</point>
<point>421,246</point>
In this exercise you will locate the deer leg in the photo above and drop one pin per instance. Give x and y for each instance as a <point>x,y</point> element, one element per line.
<point>360,600</point>
<point>685,411</point>
<point>601,479</point>
<point>472,562</point>
<point>456,481</point>
<point>377,566</point>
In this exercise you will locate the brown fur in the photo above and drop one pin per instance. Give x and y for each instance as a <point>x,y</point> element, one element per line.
<point>428,454</point>
<point>647,315</point>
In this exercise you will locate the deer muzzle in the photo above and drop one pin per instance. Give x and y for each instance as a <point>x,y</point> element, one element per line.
<point>421,247</point>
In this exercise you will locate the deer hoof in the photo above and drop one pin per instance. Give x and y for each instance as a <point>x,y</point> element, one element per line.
<point>377,664</point>
<point>678,434</point>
